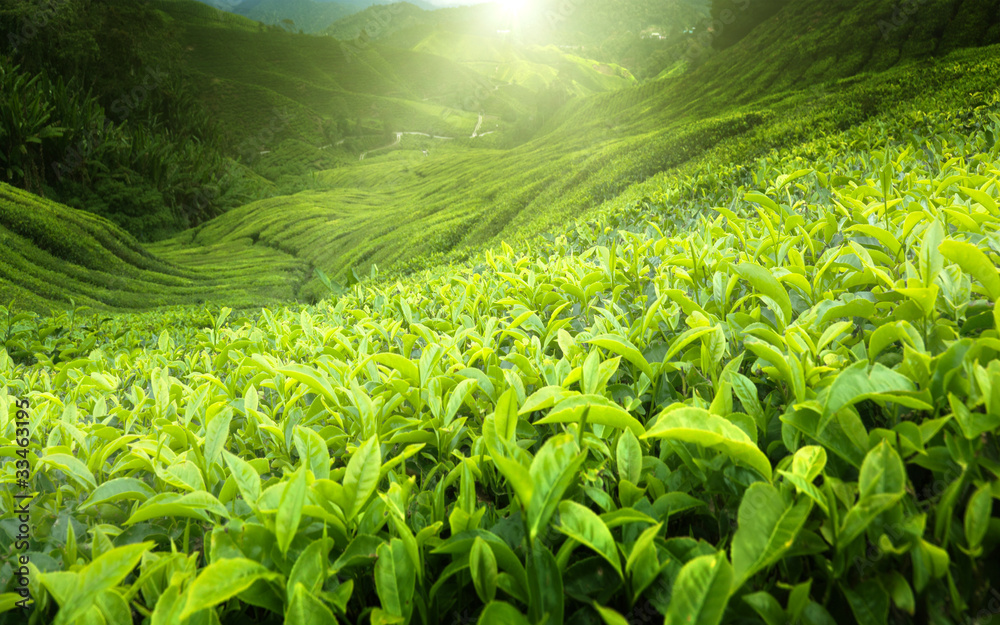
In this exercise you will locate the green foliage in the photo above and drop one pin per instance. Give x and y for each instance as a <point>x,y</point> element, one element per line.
<point>759,386</point>
<point>728,402</point>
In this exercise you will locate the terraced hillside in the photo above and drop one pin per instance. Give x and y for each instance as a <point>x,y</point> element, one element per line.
<point>445,205</point>
<point>758,393</point>
<point>53,255</point>
<point>327,90</point>
<point>474,192</point>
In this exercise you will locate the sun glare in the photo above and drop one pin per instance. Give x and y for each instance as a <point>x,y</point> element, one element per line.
<point>513,6</point>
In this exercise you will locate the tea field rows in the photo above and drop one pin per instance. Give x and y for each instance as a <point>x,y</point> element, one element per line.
<point>762,392</point>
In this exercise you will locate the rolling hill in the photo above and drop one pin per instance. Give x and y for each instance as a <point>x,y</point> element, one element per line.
<point>471,193</point>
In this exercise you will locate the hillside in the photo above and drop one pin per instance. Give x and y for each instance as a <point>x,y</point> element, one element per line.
<point>350,96</point>
<point>309,16</point>
<point>710,343</point>
<point>473,192</point>
<point>737,389</point>
<point>54,255</point>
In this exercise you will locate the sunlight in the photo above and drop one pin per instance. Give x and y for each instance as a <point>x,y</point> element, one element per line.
<point>513,6</point>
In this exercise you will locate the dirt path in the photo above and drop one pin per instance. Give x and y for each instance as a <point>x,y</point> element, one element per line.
<point>479,124</point>
<point>399,137</point>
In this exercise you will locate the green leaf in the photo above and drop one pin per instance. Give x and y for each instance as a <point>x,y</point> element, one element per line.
<point>863,513</point>
<point>192,505</point>
<point>395,578</point>
<point>505,416</point>
<point>361,477</point>
<point>216,433</point>
<point>808,462</point>
<point>900,591</point>
<point>767,530</point>
<point>501,613</point>
<point>168,607</point>
<point>930,259</point>
<point>313,451</point>
<point>643,565</point>
<point>552,471</point>
<point>246,478</point>
<point>977,517</point>
<point>585,527</point>
<point>696,425</point>
<point>290,510</point>
<point>315,380</point>
<point>929,562</point>
<point>885,335</point>
<point>222,580</point>
<point>106,572</point>
<point>545,587</point>
<point>701,592</point>
<point>764,282</point>
<point>483,566</point>
<point>766,607</point>
<point>310,567</point>
<point>869,602</point>
<point>882,472</point>
<point>405,367</point>
<point>974,262</point>
<point>856,383</point>
<point>73,468</point>
<point>305,609</point>
<point>118,489</point>
<point>983,198</point>
<point>625,349</point>
<point>609,616</point>
<point>629,454</point>
<point>600,410</point>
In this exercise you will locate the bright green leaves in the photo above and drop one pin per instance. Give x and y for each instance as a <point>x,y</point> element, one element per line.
<point>977,518</point>
<point>395,579</point>
<point>122,488</point>
<point>625,349</point>
<point>698,426</point>
<point>599,410</point>
<point>882,472</point>
<point>312,449</point>
<point>701,591</point>
<point>974,262</point>
<point>552,471</point>
<point>304,608</point>
<point>223,580</point>
<point>216,433</point>
<point>629,455</point>
<point>881,484</point>
<point>483,566</point>
<point>771,291</point>
<point>931,261</point>
<point>768,527</point>
<point>585,527</point>
<point>105,573</point>
<point>545,587</point>
<point>246,478</point>
<point>290,509</point>
<point>857,383</point>
<point>361,478</point>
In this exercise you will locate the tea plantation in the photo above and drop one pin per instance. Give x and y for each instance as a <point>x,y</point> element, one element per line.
<point>736,366</point>
<point>715,405</point>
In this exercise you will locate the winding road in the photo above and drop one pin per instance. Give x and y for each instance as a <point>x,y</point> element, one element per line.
<point>399,137</point>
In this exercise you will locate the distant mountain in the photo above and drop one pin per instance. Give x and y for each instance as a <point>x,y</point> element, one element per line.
<point>309,16</point>
<point>642,35</point>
